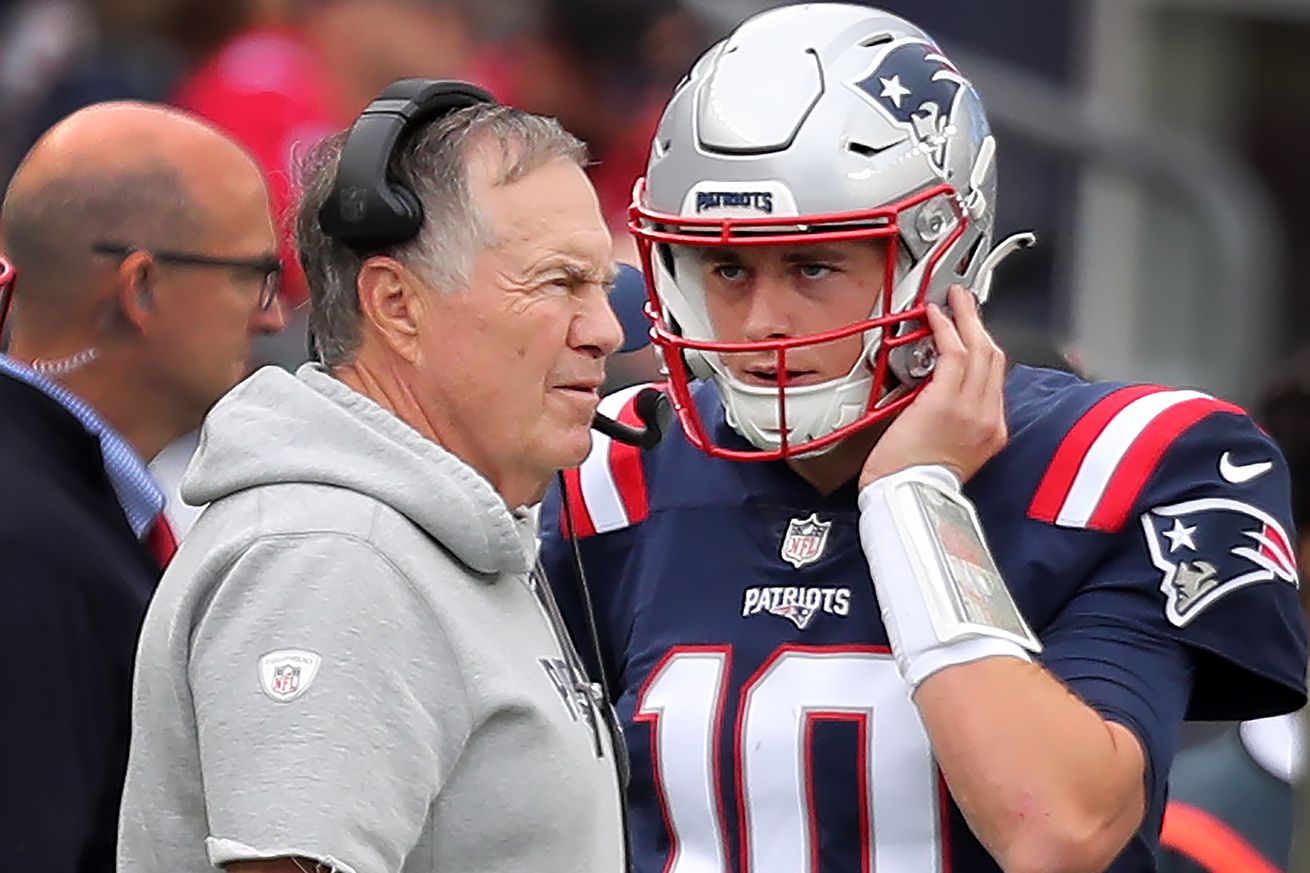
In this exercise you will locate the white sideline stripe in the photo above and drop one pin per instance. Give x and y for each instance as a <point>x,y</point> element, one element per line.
<point>1098,465</point>
<point>600,492</point>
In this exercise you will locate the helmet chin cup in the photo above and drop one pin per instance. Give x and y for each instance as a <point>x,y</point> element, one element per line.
<point>913,362</point>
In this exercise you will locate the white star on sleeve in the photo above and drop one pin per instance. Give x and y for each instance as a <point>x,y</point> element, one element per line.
<point>1180,536</point>
<point>894,89</point>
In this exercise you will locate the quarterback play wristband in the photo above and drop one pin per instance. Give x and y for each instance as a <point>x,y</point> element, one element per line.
<point>942,598</point>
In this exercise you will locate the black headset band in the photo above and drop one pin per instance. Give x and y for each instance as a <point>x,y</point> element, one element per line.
<point>366,210</point>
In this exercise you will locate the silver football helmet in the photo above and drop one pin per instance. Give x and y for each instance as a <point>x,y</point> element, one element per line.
<point>817,123</point>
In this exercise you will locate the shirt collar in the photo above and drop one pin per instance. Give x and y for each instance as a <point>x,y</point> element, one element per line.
<point>137,492</point>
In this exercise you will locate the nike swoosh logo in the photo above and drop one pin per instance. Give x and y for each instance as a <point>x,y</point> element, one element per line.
<point>1239,473</point>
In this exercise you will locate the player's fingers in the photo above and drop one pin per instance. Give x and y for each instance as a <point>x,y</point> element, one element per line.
<point>968,320</point>
<point>982,351</point>
<point>995,394</point>
<point>981,397</point>
<point>952,356</point>
<point>997,369</point>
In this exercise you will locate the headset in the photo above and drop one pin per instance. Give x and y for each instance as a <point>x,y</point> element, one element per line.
<point>366,209</point>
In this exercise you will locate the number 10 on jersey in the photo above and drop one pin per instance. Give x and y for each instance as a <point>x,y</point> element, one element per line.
<point>795,688</point>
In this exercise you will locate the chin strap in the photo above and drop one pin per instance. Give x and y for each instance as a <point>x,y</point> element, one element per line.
<point>982,286</point>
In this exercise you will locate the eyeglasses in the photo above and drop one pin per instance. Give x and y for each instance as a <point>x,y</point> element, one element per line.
<point>268,268</point>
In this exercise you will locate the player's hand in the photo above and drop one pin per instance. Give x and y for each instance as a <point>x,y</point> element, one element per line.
<point>958,419</point>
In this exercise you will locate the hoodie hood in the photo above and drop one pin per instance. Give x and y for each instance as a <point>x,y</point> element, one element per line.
<point>311,428</point>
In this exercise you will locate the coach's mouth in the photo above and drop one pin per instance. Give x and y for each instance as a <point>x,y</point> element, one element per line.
<point>581,390</point>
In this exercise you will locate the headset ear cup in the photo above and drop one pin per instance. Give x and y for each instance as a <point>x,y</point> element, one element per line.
<point>407,211</point>
<point>366,209</point>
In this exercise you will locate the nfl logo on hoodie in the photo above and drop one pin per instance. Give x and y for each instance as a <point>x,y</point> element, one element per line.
<point>286,674</point>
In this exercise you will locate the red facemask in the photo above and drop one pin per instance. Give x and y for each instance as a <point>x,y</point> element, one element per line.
<point>890,390</point>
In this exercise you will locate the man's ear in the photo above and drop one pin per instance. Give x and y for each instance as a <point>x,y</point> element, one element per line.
<point>390,300</point>
<point>134,297</point>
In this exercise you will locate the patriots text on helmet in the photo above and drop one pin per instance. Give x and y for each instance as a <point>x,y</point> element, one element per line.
<point>761,201</point>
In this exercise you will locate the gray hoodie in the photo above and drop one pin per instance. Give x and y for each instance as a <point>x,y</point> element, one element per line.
<point>348,661</point>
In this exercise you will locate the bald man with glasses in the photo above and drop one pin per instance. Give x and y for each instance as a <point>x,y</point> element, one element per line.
<point>267,269</point>
<point>144,263</point>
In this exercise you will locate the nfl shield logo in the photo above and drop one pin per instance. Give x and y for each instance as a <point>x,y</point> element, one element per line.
<point>353,204</point>
<point>286,679</point>
<point>286,674</point>
<point>805,540</point>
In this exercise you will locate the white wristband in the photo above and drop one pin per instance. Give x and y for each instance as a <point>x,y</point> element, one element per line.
<point>942,599</point>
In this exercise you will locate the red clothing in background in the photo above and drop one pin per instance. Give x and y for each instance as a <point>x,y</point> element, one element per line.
<point>270,91</point>
<point>618,133</point>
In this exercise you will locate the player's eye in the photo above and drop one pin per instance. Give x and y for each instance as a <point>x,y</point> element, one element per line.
<point>814,271</point>
<point>729,272</point>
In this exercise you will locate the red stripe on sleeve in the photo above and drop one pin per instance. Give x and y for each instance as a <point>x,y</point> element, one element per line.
<point>1141,460</point>
<point>1281,552</point>
<point>1059,478</point>
<point>626,467</point>
<point>577,507</point>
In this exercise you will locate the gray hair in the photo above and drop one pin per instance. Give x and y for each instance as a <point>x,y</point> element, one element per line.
<point>433,163</point>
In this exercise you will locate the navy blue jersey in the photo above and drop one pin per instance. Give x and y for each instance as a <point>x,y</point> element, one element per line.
<point>1143,532</point>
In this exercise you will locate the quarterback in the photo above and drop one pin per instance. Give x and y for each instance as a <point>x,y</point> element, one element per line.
<point>880,602</point>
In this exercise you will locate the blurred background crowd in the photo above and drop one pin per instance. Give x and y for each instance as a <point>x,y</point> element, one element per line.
<point>1152,144</point>
<point>1157,147</point>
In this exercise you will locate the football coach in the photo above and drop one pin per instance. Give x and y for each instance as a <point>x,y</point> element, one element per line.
<point>351,664</point>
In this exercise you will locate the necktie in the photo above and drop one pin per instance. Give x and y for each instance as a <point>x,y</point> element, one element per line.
<point>161,541</point>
